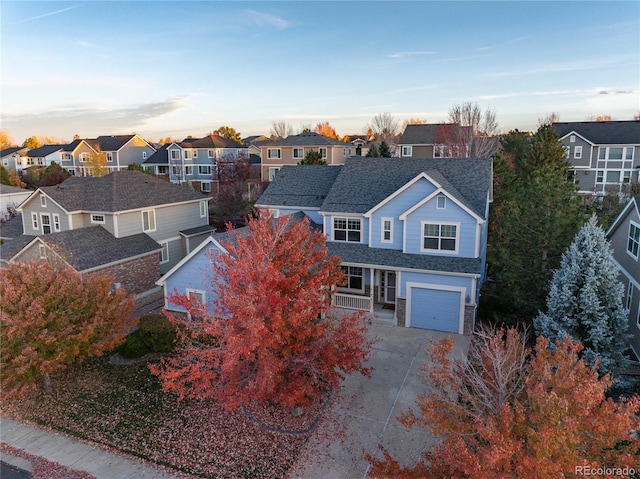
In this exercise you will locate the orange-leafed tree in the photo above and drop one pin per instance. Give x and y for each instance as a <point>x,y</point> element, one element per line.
<point>507,412</point>
<point>272,336</point>
<point>325,129</point>
<point>52,316</point>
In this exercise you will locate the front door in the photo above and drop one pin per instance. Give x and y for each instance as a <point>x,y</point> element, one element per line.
<point>390,287</point>
<point>46,223</point>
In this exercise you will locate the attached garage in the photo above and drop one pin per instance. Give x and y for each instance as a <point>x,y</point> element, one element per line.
<point>436,307</point>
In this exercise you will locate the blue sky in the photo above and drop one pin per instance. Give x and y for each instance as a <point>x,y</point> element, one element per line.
<point>168,68</point>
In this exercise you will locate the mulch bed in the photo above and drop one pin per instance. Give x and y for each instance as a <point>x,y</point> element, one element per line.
<point>124,408</point>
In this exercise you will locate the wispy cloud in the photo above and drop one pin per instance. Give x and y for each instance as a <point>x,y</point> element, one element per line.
<point>411,54</point>
<point>49,14</point>
<point>83,43</point>
<point>497,45</point>
<point>590,64</point>
<point>267,19</point>
<point>418,88</point>
<point>542,93</point>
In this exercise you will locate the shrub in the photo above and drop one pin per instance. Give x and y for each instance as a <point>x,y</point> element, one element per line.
<point>157,333</point>
<point>133,347</point>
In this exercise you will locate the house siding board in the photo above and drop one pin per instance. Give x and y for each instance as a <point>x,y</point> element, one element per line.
<point>427,278</point>
<point>51,209</point>
<point>422,151</point>
<point>169,220</point>
<point>451,214</point>
<point>619,242</point>
<point>175,255</point>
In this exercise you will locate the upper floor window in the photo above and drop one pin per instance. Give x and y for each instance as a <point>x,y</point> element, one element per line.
<point>567,151</point>
<point>43,201</point>
<point>56,222</point>
<point>615,153</point>
<point>407,150</point>
<point>577,152</point>
<point>43,251</point>
<point>273,153</point>
<point>188,154</point>
<point>298,153</point>
<point>387,230</point>
<point>175,154</point>
<point>572,138</point>
<point>148,220</point>
<point>144,155</point>
<point>34,221</point>
<point>441,202</point>
<point>164,254</point>
<point>633,245</point>
<point>109,157</point>
<point>323,152</point>
<point>204,169</point>
<point>98,219</point>
<point>440,237</point>
<point>347,229</point>
<point>203,209</point>
<point>67,156</point>
<point>629,296</point>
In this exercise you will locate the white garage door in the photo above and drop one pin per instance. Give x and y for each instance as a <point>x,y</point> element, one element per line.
<point>435,309</point>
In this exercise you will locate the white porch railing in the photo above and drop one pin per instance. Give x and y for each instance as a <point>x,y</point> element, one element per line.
<point>351,301</point>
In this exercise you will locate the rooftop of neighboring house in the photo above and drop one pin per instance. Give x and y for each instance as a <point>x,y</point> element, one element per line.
<point>45,150</point>
<point>306,139</point>
<point>211,141</point>
<point>159,157</point>
<point>72,146</point>
<point>12,190</point>
<point>430,133</point>
<point>603,132</point>
<point>256,140</point>
<point>109,142</point>
<point>12,150</point>
<point>119,191</point>
<point>362,183</point>
<point>12,228</point>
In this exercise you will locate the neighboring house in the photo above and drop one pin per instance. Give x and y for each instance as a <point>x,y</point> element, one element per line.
<point>42,156</point>
<point>12,196</point>
<point>255,142</point>
<point>604,156</point>
<point>438,140</point>
<point>74,157</point>
<point>196,162</point>
<point>10,156</point>
<point>291,150</point>
<point>120,151</point>
<point>127,218</point>
<point>624,235</point>
<point>411,233</point>
<point>11,229</point>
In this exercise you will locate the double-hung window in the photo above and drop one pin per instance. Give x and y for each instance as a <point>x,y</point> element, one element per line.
<point>633,245</point>
<point>298,153</point>
<point>441,237</point>
<point>56,222</point>
<point>148,220</point>
<point>203,209</point>
<point>629,296</point>
<point>347,229</point>
<point>273,153</point>
<point>407,151</point>
<point>323,153</point>
<point>387,230</point>
<point>110,157</point>
<point>175,154</point>
<point>577,152</point>
<point>164,254</point>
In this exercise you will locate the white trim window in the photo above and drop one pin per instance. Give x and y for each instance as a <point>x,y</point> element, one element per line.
<point>355,278</point>
<point>386,230</point>
<point>164,254</point>
<point>407,150</point>
<point>109,157</point>
<point>188,154</point>
<point>144,155</point>
<point>275,212</point>
<point>577,153</point>
<point>203,209</point>
<point>196,295</point>
<point>65,156</point>
<point>323,153</point>
<point>42,249</point>
<point>34,221</point>
<point>273,171</point>
<point>567,151</point>
<point>148,221</point>
<point>175,154</point>
<point>440,237</point>
<point>98,219</point>
<point>347,229</point>
<point>441,202</point>
<point>572,139</point>
<point>633,245</point>
<point>84,157</point>
<point>204,170</point>
<point>205,186</point>
<point>274,153</point>
<point>56,222</point>
<point>298,153</point>
<point>43,201</point>
<point>629,301</point>
<point>188,170</point>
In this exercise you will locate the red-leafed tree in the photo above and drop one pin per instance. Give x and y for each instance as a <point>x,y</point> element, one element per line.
<point>272,336</point>
<point>504,412</point>
<point>52,316</point>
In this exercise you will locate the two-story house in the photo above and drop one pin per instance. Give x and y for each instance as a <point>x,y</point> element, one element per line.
<point>624,235</point>
<point>437,140</point>
<point>411,234</point>
<point>42,156</point>
<point>292,149</point>
<point>604,156</point>
<point>119,151</point>
<point>196,162</point>
<point>129,223</point>
<point>75,156</point>
<point>10,156</point>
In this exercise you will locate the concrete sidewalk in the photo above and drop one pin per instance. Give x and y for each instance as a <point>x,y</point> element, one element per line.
<point>75,454</point>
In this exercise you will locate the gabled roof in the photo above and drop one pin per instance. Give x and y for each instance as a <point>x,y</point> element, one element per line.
<point>11,151</point>
<point>633,203</point>
<point>159,157</point>
<point>12,190</point>
<point>211,141</point>
<point>44,150</point>
<point>306,139</point>
<point>302,186</point>
<point>11,229</point>
<point>110,142</point>
<point>119,191</point>
<point>603,132</point>
<point>256,139</point>
<point>365,182</point>
<point>430,134</point>
<point>9,249</point>
<point>73,145</point>
<point>94,247</point>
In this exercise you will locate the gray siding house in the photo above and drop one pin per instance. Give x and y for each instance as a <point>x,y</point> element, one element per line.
<point>433,141</point>
<point>111,221</point>
<point>604,156</point>
<point>624,235</point>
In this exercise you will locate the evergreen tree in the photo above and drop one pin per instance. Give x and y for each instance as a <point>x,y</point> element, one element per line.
<point>586,301</point>
<point>4,176</point>
<point>312,158</point>
<point>383,150</point>
<point>373,152</point>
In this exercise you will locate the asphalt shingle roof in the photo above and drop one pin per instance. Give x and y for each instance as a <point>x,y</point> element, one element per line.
<point>358,253</point>
<point>8,189</point>
<point>119,191</point>
<point>10,151</point>
<point>300,186</point>
<point>88,248</point>
<point>112,142</point>
<point>603,132</point>
<point>159,157</point>
<point>306,139</point>
<point>211,141</point>
<point>9,249</point>
<point>428,134</point>
<point>44,150</point>
<point>365,182</point>
<point>13,228</point>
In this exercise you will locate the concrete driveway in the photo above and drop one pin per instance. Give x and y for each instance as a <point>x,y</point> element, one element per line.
<point>364,413</point>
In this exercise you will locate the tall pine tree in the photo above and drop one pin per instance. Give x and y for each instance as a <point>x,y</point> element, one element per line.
<point>586,301</point>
